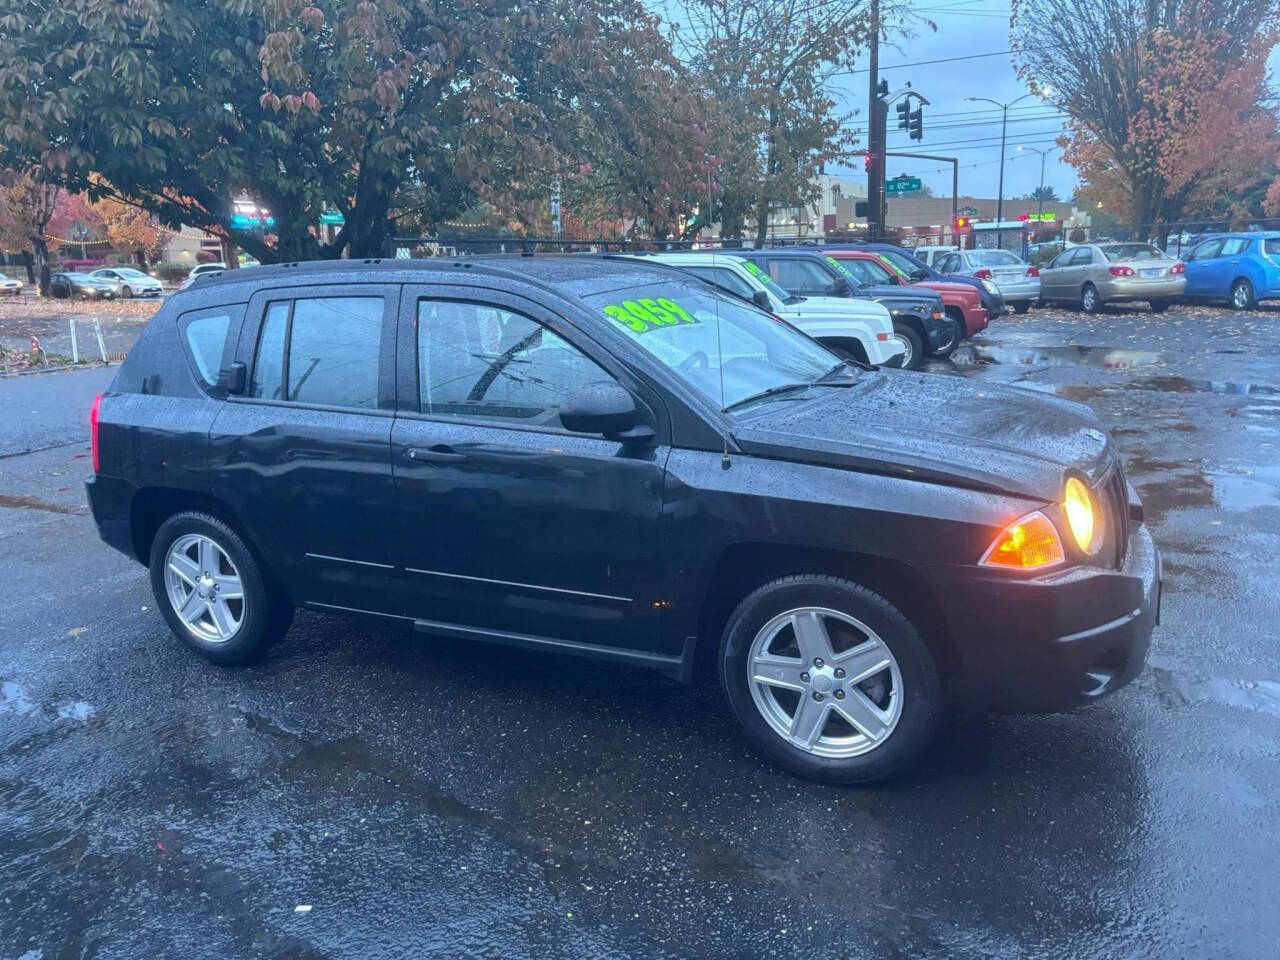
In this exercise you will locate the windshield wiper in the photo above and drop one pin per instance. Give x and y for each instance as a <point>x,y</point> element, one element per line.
<point>851,368</point>
<point>772,391</point>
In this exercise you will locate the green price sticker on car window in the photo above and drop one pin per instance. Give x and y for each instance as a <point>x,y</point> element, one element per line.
<point>648,313</point>
<point>841,267</point>
<point>757,272</point>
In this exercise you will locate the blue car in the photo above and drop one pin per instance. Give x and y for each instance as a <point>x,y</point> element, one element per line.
<point>1240,268</point>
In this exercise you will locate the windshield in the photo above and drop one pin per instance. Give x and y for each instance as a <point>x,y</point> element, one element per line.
<point>904,263</point>
<point>1133,251</point>
<point>80,276</point>
<point>855,271</point>
<point>993,258</point>
<point>676,324</point>
<point>129,272</point>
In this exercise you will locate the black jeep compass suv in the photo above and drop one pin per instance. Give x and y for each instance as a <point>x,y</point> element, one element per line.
<point>610,459</point>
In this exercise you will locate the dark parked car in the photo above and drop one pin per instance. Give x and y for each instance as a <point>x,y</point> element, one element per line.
<point>550,454</point>
<point>67,285</point>
<point>917,270</point>
<point>918,317</point>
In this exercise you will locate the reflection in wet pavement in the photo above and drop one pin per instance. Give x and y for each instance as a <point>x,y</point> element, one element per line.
<point>1108,358</point>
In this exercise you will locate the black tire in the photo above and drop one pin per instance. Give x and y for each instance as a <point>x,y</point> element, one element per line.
<point>266,612</point>
<point>1090,302</point>
<point>1158,306</point>
<point>1022,306</point>
<point>1242,297</point>
<point>921,693</point>
<point>915,346</point>
<point>126,293</point>
<point>957,329</point>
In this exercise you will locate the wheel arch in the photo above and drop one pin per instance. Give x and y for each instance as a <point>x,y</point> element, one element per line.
<point>851,345</point>
<point>152,506</point>
<point>742,567</point>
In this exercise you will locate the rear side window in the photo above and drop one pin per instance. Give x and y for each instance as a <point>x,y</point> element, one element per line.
<point>322,350</point>
<point>1271,246</point>
<point>1235,245</point>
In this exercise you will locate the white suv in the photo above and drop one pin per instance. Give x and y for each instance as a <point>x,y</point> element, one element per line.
<point>199,270</point>
<point>861,329</point>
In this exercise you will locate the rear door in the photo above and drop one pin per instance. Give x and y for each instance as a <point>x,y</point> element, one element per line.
<point>304,455</point>
<point>510,525</point>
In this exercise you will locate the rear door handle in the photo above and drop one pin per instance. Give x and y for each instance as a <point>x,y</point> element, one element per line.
<point>440,453</point>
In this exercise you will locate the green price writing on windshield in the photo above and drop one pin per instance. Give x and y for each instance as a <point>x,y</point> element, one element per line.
<point>757,272</point>
<point>841,267</point>
<point>647,313</point>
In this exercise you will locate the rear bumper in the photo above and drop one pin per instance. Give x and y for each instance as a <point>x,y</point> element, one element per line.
<point>110,499</point>
<point>1020,291</point>
<point>1136,288</point>
<point>1056,641</point>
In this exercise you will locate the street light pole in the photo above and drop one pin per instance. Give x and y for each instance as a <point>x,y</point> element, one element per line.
<point>1004,124</point>
<point>1039,192</point>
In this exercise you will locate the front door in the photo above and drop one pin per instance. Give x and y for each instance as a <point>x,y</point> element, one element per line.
<point>510,525</point>
<point>304,456</point>
<point>1201,263</point>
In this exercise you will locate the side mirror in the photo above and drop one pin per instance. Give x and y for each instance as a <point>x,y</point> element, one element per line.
<point>607,409</point>
<point>842,288</point>
<point>237,377</point>
<point>761,299</point>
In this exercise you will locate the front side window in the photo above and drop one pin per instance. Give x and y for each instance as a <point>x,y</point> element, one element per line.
<point>322,350</point>
<point>1206,251</point>
<point>699,336</point>
<point>481,361</point>
<point>798,274</point>
<point>1061,260</point>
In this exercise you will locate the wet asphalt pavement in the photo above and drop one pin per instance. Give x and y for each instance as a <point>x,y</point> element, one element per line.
<point>430,797</point>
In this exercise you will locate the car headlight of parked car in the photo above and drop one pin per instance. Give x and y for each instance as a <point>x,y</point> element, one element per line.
<point>1033,542</point>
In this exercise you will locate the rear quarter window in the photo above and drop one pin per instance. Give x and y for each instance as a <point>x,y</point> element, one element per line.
<point>209,335</point>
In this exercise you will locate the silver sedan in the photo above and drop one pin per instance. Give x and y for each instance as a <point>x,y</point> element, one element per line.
<point>1094,274</point>
<point>129,282</point>
<point>1019,282</point>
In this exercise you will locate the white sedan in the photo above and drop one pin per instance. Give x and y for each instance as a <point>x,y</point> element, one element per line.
<point>129,282</point>
<point>10,286</point>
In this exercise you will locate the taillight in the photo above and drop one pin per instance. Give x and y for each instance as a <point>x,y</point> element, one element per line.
<point>1033,271</point>
<point>93,429</point>
<point>1120,271</point>
<point>983,274</point>
<point>1178,267</point>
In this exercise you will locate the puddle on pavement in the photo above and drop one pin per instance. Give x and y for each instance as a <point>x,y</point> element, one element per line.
<point>80,710</point>
<point>1234,492</point>
<point>1106,358</point>
<point>1174,384</point>
<point>14,699</point>
<point>35,503</point>
<point>1260,695</point>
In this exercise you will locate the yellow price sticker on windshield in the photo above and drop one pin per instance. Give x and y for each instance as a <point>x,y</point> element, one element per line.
<point>648,313</point>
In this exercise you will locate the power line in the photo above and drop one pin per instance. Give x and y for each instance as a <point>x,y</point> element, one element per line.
<point>958,125</point>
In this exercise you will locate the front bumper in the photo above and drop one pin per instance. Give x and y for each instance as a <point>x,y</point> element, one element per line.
<point>1055,641</point>
<point>884,353</point>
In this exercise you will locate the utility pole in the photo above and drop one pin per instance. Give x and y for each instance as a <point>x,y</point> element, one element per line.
<point>955,175</point>
<point>875,137</point>
<point>1004,125</point>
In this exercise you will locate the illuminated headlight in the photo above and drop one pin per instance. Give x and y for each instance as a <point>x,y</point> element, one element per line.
<point>1077,503</point>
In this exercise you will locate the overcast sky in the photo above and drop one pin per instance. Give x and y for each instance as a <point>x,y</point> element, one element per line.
<point>954,126</point>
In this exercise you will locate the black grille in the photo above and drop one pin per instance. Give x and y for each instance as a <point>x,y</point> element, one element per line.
<point>1114,493</point>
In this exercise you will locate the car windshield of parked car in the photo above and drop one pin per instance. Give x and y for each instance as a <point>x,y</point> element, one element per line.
<point>993,258</point>
<point>855,271</point>
<point>1133,251</point>
<point>82,276</point>
<point>130,272</point>
<point>907,265</point>
<point>698,335</point>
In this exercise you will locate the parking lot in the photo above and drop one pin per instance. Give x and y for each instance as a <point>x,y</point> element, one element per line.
<point>366,792</point>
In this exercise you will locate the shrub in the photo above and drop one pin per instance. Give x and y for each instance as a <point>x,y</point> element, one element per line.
<point>170,270</point>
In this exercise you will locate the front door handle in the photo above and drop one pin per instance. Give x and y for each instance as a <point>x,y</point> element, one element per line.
<point>440,453</point>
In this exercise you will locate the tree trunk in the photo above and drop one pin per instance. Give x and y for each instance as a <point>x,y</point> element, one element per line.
<point>40,256</point>
<point>27,262</point>
<point>230,256</point>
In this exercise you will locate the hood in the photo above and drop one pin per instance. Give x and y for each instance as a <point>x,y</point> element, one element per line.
<point>902,296</point>
<point>942,287</point>
<point>813,308</point>
<point>937,429</point>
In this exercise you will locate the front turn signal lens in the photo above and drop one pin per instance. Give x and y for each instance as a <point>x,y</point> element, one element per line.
<point>1026,544</point>
<point>1079,509</point>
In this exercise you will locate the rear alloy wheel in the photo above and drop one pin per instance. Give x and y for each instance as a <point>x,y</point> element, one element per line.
<point>911,343</point>
<point>829,680</point>
<point>1242,295</point>
<point>212,592</point>
<point>1090,302</point>
<point>1022,306</point>
<point>126,292</point>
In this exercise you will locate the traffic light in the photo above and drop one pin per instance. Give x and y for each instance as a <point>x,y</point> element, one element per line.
<point>915,124</point>
<point>866,161</point>
<point>904,111</point>
<point>962,223</point>
<point>882,88</point>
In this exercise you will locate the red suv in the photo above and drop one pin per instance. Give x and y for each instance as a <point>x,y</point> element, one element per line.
<point>961,302</point>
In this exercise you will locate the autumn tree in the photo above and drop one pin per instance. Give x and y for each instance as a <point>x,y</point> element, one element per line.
<point>27,205</point>
<point>130,229</point>
<point>180,107</point>
<point>1163,99</point>
<point>768,66</point>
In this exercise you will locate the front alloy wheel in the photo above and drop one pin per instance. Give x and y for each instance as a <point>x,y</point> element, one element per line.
<point>1090,302</point>
<point>1242,295</point>
<point>825,682</point>
<point>829,680</point>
